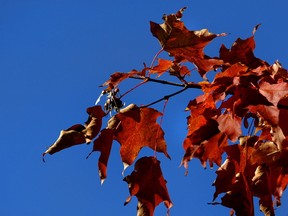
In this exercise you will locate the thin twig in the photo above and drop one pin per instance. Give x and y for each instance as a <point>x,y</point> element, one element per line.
<point>187,85</point>
<point>166,97</point>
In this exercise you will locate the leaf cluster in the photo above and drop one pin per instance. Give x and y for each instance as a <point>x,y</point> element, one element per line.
<point>242,112</point>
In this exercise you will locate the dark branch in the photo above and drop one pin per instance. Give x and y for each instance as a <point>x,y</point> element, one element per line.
<point>148,79</point>
<point>166,97</point>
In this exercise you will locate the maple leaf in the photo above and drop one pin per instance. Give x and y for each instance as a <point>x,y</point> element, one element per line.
<point>239,198</point>
<point>135,128</point>
<point>209,150</point>
<point>265,153</point>
<point>162,67</point>
<point>103,144</point>
<point>225,80</point>
<point>179,70</point>
<point>261,188</point>
<point>267,113</point>
<point>146,182</point>
<point>243,97</point>
<point>78,134</point>
<point>176,39</point>
<point>94,122</point>
<point>274,92</point>
<point>118,77</point>
<point>230,125</point>
<point>233,178</point>
<point>277,71</point>
<point>278,180</point>
<point>242,51</point>
<point>67,138</point>
<point>283,115</point>
<point>204,143</point>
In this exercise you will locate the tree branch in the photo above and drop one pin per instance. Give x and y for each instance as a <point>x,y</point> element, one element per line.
<point>166,97</point>
<point>187,85</point>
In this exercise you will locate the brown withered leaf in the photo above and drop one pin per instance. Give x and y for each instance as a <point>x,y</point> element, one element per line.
<point>67,138</point>
<point>265,153</point>
<point>163,66</point>
<point>176,39</point>
<point>147,183</point>
<point>94,123</point>
<point>136,128</point>
<point>118,77</point>
<point>78,134</point>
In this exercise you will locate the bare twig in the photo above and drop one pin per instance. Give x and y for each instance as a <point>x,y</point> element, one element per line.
<point>166,97</point>
<point>187,85</point>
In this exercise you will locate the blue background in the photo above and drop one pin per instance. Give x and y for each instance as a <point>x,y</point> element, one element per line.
<point>55,54</point>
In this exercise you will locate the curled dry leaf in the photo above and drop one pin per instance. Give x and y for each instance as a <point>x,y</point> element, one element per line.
<point>147,183</point>
<point>78,134</point>
<point>67,138</point>
<point>94,122</point>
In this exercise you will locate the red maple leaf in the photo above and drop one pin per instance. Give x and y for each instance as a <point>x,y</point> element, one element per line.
<point>136,128</point>
<point>242,51</point>
<point>146,182</point>
<point>274,92</point>
<point>181,43</point>
<point>118,77</point>
<point>233,178</point>
<point>230,125</point>
<point>103,144</point>
<point>162,67</point>
<point>283,114</point>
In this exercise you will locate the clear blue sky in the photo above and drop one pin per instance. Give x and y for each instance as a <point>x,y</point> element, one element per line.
<point>55,54</point>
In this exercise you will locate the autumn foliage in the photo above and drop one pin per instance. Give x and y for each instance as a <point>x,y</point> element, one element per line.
<point>242,113</point>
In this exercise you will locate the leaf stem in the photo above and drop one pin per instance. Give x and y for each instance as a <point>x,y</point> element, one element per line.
<point>139,84</point>
<point>156,55</point>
